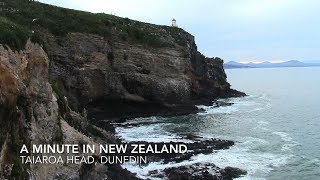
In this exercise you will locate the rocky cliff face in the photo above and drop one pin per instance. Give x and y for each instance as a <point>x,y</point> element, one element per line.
<point>31,113</point>
<point>117,79</point>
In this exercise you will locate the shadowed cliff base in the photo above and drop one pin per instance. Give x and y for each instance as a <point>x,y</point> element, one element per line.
<point>119,110</point>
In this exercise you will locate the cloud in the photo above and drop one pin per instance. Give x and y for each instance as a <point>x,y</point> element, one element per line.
<point>233,30</point>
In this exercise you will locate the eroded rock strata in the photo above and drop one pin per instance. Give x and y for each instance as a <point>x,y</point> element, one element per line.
<point>116,79</point>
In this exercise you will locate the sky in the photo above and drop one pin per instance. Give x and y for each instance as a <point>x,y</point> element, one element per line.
<point>234,30</point>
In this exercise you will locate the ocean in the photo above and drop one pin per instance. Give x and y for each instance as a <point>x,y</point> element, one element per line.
<point>276,128</point>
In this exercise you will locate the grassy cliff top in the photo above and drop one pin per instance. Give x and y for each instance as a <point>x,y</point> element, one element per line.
<point>27,15</point>
<point>13,34</point>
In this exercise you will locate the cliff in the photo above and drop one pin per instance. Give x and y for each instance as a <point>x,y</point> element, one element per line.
<point>58,65</point>
<point>31,113</point>
<point>118,68</point>
<point>116,79</point>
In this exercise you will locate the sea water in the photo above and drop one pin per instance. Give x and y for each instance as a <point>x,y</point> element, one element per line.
<point>276,128</point>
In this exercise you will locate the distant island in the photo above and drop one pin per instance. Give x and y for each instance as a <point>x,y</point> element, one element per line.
<point>267,64</point>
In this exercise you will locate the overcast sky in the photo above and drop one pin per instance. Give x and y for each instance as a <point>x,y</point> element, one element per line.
<point>239,30</point>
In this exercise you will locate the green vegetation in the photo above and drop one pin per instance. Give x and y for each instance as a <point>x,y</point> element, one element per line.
<point>17,171</point>
<point>73,107</point>
<point>12,34</point>
<point>58,89</point>
<point>32,15</point>
<point>17,135</point>
<point>9,117</point>
<point>64,105</point>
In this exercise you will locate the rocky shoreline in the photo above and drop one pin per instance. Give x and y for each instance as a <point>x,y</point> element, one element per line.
<point>197,145</point>
<point>200,171</point>
<point>196,171</point>
<point>30,106</point>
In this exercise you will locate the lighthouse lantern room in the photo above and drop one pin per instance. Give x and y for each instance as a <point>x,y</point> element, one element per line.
<point>174,22</point>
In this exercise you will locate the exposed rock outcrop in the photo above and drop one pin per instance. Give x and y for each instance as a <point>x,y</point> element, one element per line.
<point>200,171</point>
<point>116,79</point>
<point>29,111</point>
<point>29,114</point>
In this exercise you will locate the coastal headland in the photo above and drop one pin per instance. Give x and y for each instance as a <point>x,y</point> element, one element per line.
<point>66,75</point>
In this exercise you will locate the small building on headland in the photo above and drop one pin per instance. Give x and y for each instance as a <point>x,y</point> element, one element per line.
<point>174,23</point>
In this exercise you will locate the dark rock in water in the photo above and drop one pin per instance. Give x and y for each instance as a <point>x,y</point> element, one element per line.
<point>192,137</point>
<point>200,171</point>
<point>221,103</point>
<point>231,172</point>
<point>157,174</point>
<point>198,147</point>
<point>194,172</point>
<point>118,173</point>
<point>100,171</point>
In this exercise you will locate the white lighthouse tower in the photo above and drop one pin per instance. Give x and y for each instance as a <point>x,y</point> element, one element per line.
<point>174,22</point>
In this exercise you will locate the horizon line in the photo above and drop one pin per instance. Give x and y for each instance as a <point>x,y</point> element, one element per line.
<point>271,61</point>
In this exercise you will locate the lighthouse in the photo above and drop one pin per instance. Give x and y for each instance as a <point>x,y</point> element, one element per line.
<point>174,23</point>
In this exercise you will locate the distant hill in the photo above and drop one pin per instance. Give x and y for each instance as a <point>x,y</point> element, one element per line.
<point>267,64</point>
